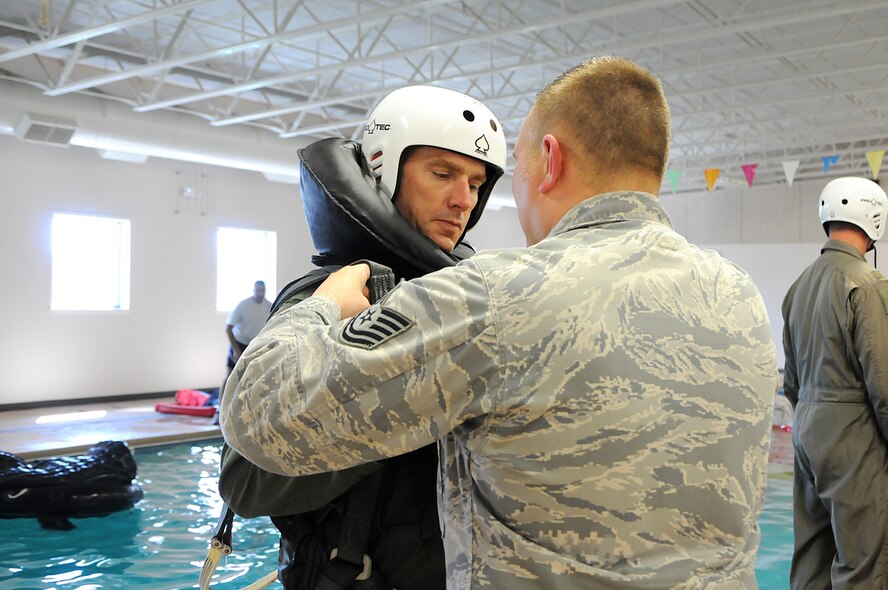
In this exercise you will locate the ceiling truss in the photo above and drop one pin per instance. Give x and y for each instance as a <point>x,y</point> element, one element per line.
<point>748,81</point>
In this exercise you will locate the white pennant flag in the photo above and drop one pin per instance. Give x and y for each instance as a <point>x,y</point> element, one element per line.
<point>789,168</point>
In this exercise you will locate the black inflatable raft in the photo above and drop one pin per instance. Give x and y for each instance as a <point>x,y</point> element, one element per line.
<point>53,490</point>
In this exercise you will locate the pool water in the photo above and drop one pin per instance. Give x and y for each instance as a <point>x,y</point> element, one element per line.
<point>162,542</point>
<point>159,545</point>
<point>775,551</point>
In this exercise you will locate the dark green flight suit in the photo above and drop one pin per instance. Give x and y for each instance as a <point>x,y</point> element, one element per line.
<point>835,338</point>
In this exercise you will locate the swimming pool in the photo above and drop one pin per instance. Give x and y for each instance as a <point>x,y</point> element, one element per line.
<point>161,544</point>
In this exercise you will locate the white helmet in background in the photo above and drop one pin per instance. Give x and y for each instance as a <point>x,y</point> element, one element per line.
<point>857,201</point>
<point>433,117</point>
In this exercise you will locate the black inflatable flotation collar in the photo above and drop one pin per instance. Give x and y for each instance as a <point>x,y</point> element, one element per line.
<point>52,490</point>
<point>350,219</point>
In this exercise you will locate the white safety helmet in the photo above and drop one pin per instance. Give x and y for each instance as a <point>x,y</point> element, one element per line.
<point>433,117</point>
<point>857,201</point>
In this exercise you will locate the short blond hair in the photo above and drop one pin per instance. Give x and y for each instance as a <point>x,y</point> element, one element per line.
<point>613,109</point>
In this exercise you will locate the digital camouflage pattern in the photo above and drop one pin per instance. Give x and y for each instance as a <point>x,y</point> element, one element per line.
<point>602,401</point>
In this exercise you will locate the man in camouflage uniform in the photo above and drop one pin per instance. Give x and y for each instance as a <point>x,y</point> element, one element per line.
<point>835,337</point>
<point>602,398</point>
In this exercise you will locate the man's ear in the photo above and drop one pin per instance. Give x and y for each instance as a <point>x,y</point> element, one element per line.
<point>551,154</point>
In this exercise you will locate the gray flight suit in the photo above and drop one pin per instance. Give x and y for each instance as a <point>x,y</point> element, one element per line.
<point>602,403</point>
<point>835,338</point>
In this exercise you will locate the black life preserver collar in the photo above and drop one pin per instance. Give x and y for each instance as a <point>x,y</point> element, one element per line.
<point>350,219</point>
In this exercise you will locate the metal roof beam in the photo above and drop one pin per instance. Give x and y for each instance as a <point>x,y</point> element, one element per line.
<point>757,59</point>
<point>296,35</point>
<point>625,8</point>
<point>752,124</point>
<point>77,36</point>
<point>323,128</point>
<point>850,135</point>
<point>315,104</point>
<point>295,133</point>
<point>773,103</point>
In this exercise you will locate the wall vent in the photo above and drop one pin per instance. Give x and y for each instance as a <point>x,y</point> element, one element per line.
<point>45,129</point>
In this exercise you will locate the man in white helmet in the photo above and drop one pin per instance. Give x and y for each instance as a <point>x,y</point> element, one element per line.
<point>835,338</point>
<point>404,197</point>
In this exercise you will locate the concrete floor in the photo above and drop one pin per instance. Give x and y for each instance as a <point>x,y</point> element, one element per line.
<point>71,430</point>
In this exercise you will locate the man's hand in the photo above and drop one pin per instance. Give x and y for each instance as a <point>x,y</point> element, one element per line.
<point>348,288</point>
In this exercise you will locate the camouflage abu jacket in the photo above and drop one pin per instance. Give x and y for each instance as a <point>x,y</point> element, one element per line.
<point>602,403</point>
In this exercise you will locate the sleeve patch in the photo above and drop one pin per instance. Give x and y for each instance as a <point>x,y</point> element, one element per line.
<point>374,326</point>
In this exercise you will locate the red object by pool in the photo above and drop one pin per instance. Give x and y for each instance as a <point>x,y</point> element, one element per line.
<point>190,402</point>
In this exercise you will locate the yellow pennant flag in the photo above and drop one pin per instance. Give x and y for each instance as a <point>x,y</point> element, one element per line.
<point>711,177</point>
<point>875,161</point>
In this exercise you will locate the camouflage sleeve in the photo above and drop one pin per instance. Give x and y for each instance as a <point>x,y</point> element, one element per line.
<point>314,394</point>
<point>870,305</point>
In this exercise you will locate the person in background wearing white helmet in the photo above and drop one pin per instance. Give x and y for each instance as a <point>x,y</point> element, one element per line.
<point>404,198</point>
<point>835,338</point>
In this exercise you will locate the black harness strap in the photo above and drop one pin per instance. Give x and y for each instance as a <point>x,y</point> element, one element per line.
<point>357,523</point>
<point>351,560</point>
<point>381,281</point>
<point>311,279</point>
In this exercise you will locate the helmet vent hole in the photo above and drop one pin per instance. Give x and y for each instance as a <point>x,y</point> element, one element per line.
<point>376,155</point>
<point>493,124</point>
<point>469,116</point>
<point>844,201</point>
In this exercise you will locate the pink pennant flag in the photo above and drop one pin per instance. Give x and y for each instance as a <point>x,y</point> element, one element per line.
<point>875,161</point>
<point>749,171</point>
<point>789,169</point>
<point>711,177</point>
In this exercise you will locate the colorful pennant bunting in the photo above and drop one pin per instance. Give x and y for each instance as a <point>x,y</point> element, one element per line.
<point>711,177</point>
<point>789,169</point>
<point>749,171</point>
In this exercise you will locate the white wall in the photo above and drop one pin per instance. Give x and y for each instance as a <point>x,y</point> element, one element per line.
<point>172,337</point>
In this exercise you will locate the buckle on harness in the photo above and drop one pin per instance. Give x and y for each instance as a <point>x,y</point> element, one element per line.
<point>368,564</point>
<point>220,546</point>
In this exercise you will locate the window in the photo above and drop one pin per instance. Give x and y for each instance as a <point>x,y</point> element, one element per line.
<point>90,263</point>
<point>244,256</point>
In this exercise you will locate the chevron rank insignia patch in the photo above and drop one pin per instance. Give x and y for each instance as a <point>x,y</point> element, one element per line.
<point>373,326</point>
